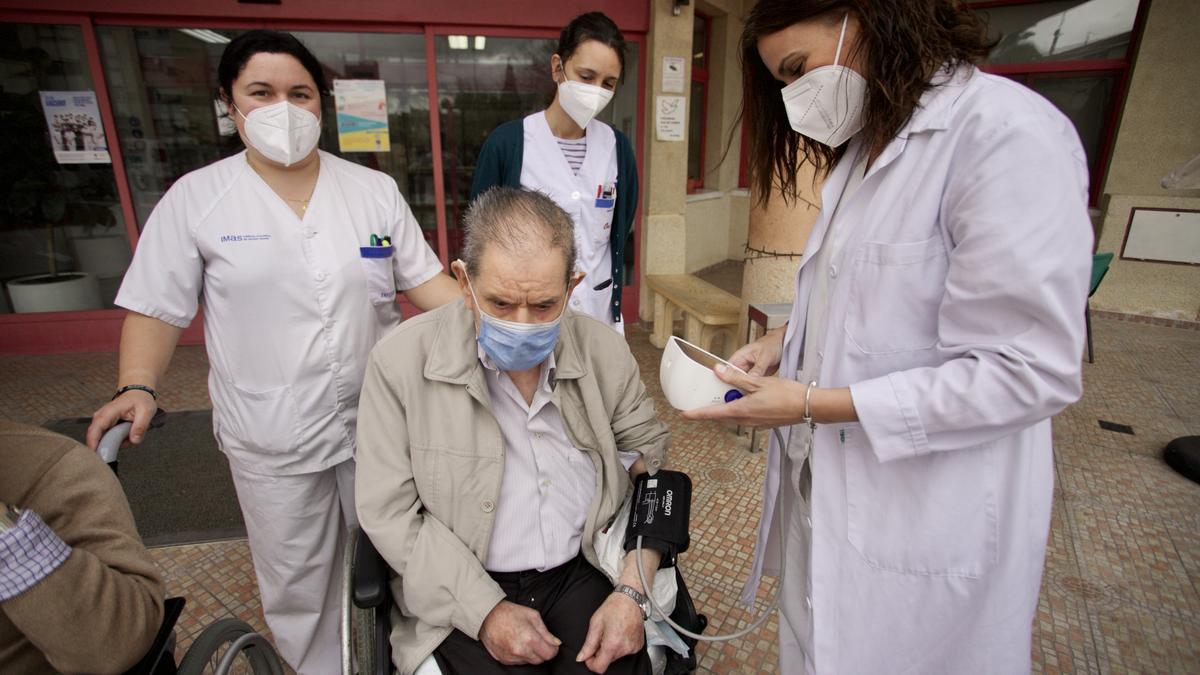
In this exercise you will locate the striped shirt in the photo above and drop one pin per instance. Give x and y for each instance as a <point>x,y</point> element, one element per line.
<point>574,151</point>
<point>548,484</point>
<point>29,552</point>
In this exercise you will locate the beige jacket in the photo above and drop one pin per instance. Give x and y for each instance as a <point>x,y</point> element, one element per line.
<point>100,610</point>
<point>430,460</point>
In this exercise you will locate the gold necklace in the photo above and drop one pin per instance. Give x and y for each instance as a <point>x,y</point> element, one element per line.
<point>302,202</point>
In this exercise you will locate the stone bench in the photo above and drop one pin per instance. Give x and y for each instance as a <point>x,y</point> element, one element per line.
<point>707,311</point>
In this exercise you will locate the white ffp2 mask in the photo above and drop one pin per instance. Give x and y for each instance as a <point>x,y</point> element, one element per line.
<point>582,101</point>
<point>826,104</point>
<point>283,132</point>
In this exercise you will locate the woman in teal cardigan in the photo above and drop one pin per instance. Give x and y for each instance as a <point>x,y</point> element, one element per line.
<point>586,166</point>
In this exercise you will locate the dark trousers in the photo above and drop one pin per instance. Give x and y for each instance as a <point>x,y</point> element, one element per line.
<point>566,597</point>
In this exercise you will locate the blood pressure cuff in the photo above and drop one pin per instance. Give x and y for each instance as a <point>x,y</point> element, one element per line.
<point>660,514</point>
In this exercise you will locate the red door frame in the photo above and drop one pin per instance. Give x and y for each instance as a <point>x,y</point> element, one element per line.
<point>99,330</point>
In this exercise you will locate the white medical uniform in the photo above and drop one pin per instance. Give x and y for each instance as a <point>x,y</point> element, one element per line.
<point>545,169</point>
<point>955,315</point>
<point>292,308</point>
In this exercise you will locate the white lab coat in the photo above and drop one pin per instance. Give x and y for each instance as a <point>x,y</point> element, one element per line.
<point>956,319</point>
<point>545,169</point>
<point>292,309</point>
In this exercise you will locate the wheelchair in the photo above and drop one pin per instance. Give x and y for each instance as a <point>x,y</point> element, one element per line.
<point>225,646</point>
<point>367,603</point>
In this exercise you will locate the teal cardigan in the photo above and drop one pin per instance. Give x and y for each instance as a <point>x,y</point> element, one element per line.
<point>500,164</point>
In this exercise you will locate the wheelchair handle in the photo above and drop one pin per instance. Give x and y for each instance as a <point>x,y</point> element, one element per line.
<point>112,440</point>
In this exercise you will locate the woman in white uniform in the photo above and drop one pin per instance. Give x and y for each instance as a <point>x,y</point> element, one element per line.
<point>298,255</point>
<point>584,165</point>
<point>937,326</point>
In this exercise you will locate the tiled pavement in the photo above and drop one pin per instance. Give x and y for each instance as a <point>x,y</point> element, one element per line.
<point>1121,590</point>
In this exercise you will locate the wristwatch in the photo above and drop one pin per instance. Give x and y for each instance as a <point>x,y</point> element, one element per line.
<point>9,515</point>
<point>642,601</point>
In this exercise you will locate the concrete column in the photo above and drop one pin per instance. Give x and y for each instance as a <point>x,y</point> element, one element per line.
<point>776,242</point>
<point>664,232</point>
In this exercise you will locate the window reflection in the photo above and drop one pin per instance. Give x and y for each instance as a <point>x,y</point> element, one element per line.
<point>63,245</point>
<point>163,83</point>
<point>1062,30</point>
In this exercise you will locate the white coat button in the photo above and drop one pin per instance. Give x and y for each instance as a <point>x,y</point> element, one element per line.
<point>335,366</point>
<point>833,271</point>
<point>487,505</point>
<point>575,195</point>
<point>319,275</point>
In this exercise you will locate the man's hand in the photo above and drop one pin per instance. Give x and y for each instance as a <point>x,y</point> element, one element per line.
<point>616,630</point>
<point>515,635</point>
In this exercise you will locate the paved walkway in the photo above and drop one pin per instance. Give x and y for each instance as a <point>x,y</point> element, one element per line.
<point>1121,590</point>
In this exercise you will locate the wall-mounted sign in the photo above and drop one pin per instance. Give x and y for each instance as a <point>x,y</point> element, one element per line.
<point>670,118</point>
<point>673,71</point>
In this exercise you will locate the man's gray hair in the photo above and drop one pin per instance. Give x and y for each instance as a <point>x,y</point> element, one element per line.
<point>522,222</point>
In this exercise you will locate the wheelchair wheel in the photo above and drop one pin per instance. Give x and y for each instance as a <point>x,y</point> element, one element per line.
<point>230,647</point>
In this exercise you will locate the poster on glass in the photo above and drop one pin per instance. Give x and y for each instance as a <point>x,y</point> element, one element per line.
<point>76,130</point>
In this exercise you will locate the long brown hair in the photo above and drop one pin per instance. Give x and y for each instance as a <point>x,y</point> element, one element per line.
<point>906,43</point>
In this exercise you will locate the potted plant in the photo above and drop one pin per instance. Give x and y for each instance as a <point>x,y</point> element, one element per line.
<point>56,290</point>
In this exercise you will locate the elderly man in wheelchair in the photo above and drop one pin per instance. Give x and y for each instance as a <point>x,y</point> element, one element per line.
<point>496,435</point>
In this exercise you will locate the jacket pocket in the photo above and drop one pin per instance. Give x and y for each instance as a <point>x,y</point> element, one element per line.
<point>377,271</point>
<point>896,290</point>
<point>932,515</point>
<point>262,422</point>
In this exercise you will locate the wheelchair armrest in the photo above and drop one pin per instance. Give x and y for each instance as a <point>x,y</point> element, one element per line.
<point>370,575</point>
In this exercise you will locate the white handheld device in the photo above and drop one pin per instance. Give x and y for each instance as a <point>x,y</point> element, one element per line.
<point>688,380</point>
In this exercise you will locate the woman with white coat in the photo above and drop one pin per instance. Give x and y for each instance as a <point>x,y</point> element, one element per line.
<point>937,326</point>
<point>298,256</point>
<point>586,166</point>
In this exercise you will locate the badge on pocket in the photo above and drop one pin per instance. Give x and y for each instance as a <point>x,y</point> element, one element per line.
<point>606,196</point>
<point>377,267</point>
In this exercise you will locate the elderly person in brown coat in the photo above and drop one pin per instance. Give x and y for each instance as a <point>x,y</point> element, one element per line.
<point>495,436</point>
<point>78,591</point>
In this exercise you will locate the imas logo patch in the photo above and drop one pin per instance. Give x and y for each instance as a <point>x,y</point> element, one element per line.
<point>244,237</point>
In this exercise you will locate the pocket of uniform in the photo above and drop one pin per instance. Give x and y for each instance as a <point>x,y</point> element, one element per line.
<point>932,515</point>
<point>896,291</point>
<point>262,422</point>
<point>377,271</point>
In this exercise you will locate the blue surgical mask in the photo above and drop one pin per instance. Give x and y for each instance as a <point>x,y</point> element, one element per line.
<point>515,346</point>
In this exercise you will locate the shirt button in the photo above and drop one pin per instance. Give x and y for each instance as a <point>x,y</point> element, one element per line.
<point>546,483</point>
<point>341,407</point>
<point>808,520</point>
<point>319,275</point>
<point>833,271</point>
<point>335,366</point>
<point>575,195</point>
<point>808,602</point>
<point>487,505</point>
<point>655,463</point>
<point>328,324</point>
<point>310,233</point>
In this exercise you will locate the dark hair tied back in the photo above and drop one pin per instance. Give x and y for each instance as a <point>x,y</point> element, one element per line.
<point>242,48</point>
<point>591,26</point>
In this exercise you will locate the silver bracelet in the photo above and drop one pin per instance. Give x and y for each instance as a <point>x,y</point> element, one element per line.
<point>808,404</point>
